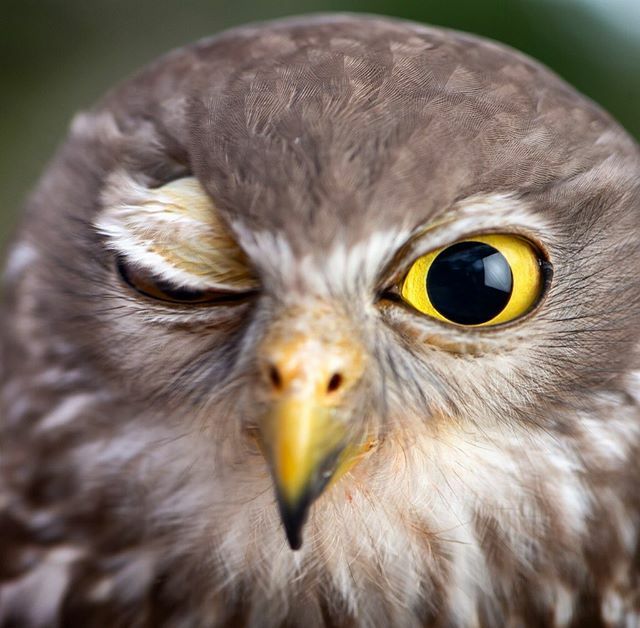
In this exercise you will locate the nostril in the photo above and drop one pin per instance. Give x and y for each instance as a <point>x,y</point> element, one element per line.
<point>334,383</point>
<point>274,377</point>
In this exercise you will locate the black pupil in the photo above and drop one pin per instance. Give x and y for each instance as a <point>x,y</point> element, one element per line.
<point>469,283</point>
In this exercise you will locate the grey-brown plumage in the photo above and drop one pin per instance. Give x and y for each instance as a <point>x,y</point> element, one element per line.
<point>497,468</point>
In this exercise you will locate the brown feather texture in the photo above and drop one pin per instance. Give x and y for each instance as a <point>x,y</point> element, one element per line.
<point>291,172</point>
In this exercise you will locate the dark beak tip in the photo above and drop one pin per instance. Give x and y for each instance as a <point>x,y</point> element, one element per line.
<point>293,519</point>
<point>295,539</point>
<point>294,513</point>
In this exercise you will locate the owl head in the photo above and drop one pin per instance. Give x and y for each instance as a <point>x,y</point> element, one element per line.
<point>348,285</point>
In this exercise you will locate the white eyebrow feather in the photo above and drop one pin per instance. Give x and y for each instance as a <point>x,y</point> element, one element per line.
<point>482,211</point>
<point>342,266</point>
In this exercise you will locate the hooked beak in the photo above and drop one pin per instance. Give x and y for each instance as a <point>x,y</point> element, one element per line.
<point>306,434</point>
<point>304,443</point>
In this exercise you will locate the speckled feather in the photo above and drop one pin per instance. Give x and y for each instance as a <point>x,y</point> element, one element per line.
<point>504,490</point>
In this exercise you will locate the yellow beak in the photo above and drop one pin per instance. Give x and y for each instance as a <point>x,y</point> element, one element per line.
<point>304,443</point>
<point>307,434</point>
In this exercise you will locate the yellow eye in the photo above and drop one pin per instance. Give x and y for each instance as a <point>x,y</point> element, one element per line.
<point>485,280</point>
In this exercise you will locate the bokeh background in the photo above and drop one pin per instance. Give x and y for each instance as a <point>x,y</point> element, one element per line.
<point>58,56</point>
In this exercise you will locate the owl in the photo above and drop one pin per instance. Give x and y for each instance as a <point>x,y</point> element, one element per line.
<point>328,321</point>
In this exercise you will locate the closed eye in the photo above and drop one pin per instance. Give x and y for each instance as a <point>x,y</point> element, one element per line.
<point>149,285</point>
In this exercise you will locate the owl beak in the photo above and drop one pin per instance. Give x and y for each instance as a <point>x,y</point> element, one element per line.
<point>304,446</point>
<point>306,435</point>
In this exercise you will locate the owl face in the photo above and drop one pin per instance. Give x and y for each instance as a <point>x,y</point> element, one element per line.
<point>386,275</point>
<point>314,406</point>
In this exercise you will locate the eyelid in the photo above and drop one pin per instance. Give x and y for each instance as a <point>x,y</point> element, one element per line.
<point>152,287</point>
<point>175,231</point>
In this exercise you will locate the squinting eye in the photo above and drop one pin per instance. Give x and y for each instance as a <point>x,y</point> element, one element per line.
<point>485,280</point>
<point>156,288</point>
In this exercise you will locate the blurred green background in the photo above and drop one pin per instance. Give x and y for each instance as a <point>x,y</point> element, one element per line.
<point>58,56</point>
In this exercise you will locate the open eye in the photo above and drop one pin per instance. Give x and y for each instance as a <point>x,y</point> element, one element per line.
<point>156,288</point>
<point>485,280</point>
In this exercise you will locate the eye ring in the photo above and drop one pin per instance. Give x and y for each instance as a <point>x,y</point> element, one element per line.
<point>480,281</point>
<point>158,289</point>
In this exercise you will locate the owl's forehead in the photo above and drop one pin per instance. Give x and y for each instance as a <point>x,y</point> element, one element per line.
<point>360,126</point>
